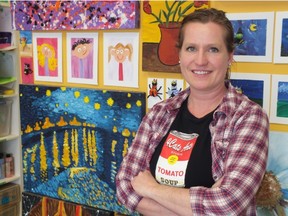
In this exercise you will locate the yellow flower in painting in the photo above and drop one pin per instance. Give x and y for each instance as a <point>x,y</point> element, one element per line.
<point>110,102</point>
<point>36,89</point>
<point>76,94</point>
<point>86,99</point>
<point>63,88</point>
<point>97,106</point>
<point>129,95</point>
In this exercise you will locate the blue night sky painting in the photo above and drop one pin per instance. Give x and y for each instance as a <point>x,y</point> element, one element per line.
<point>284,44</point>
<point>282,99</point>
<point>74,140</point>
<point>253,41</point>
<point>253,89</point>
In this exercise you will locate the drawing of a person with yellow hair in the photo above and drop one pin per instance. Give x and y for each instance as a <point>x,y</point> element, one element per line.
<point>47,59</point>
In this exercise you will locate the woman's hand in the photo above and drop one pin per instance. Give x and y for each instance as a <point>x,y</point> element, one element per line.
<point>143,183</point>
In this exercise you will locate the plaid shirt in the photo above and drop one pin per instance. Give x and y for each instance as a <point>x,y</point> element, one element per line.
<point>239,149</point>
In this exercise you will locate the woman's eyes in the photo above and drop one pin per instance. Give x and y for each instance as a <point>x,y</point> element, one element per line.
<point>212,49</point>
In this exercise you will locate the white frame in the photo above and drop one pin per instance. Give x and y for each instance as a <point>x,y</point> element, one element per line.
<point>151,101</point>
<point>274,99</point>
<point>51,35</point>
<point>111,39</point>
<point>280,16</point>
<point>87,35</point>
<point>269,16</point>
<point>257,77</point>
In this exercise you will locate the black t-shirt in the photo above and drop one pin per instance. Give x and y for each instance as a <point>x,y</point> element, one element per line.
<point>199,165</point>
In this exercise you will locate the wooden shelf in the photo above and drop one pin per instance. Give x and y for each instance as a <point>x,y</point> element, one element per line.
<point>7,180</point>
<point>10,48</point>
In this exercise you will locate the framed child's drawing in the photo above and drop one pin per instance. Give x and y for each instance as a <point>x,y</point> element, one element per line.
<point>47,56</point>
<point>281,38</point>
<point>253,36</point>
<point>279,99</point>
<point>121,59</point>
<point>255,86</point>
<point>82,57</point>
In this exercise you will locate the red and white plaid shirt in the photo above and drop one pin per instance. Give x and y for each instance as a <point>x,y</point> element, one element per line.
<point>239,149</point>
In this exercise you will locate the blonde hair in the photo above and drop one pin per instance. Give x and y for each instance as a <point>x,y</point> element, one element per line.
<point>52,61</point>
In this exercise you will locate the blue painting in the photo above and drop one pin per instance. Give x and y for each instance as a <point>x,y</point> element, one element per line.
<point>74,140</point>
<point>284,44</point>
<point>250,37</point>
<point>278,167</point>
<point>282,99</point>
<point>253,89</point>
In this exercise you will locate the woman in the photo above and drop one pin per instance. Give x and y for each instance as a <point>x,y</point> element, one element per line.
<point>204,151</point>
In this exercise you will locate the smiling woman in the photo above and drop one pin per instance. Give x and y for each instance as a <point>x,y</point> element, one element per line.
<point>209,123</point>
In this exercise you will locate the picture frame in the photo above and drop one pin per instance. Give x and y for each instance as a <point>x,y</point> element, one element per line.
<point>82,57</point>
<point>120,56</point>
<point>48,61</point>
<point>279,99</point>
<point>281,40</point>
<point>255,86</point>
<point>253,36</point>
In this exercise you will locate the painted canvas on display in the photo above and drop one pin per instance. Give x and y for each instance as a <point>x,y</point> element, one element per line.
<point>74,141</point>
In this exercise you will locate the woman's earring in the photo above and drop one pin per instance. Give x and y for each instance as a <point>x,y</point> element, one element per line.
<point>179,61</point>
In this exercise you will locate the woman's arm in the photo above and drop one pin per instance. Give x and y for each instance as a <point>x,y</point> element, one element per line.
<point>149,207</point>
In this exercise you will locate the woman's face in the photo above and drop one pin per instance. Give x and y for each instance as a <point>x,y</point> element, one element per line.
<point>204,58</point>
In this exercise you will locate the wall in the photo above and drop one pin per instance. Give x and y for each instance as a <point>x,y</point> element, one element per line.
<point>228,6</point>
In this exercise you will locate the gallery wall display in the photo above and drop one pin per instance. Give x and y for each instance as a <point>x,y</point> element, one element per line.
<point>253,36</point>
<point>74,15</point>
<point>281,38</point>
<point>74,140</point>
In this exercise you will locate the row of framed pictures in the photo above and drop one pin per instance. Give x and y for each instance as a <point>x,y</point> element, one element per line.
<point>254,36</point>
<point>120,57</point>
<point>268,90</point>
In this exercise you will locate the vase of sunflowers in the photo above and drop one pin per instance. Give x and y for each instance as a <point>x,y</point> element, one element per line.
<point>168,21</point>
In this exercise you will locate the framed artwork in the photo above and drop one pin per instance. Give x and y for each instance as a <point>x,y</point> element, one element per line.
<point>121,59</point>
<point>82,57</point>
<point>277,169</point>
<point>173,87</point>
<point>279,99</point>
<point>155,91</point>
<point>74,15</point>
<point>253,36</point>
<point>255,86</point>
<point>281,40</point>
<point>47,56</point>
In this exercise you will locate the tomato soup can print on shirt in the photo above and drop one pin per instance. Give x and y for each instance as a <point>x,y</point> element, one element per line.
<point>174,157</point>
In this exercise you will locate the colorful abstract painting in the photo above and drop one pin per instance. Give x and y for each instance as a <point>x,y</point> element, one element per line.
<point>74,15</point>
<point>74,140</point>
